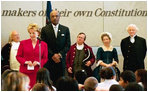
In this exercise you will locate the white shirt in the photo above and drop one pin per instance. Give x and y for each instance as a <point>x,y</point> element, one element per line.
<point>132,39</point>
<point>140,83</point>
<point>104,86</point>
<point>55,29</point>
<point>80,47</point>
<point>14,64</point>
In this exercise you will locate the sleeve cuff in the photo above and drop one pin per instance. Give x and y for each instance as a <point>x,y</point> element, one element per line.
<point>60,55</point>
<point>98,63</point>
<point>38,63</point>
<point>25,62</point>
<point>115,63</point>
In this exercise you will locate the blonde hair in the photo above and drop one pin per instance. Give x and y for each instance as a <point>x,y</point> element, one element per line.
<point>33,26</point>
<point>15,81</point>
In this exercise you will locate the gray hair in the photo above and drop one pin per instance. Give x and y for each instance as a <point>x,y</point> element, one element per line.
<point>132,25</point>
<point>10,36</point>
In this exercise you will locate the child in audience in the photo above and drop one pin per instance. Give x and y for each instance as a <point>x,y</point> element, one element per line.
<point>40,87</point>
<point>43,76</point>
<point>109,76</point>
<point>16,81</point>
<point>127,77</point>
<point>80,76</point>
<point>66,83</point>
<point>134,87</point>
<point>90,84</point>
<point>141,78</point>
<point>116,87</point>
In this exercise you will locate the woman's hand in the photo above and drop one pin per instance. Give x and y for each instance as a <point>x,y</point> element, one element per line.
<point>35,63</point>
<point>29,63</point>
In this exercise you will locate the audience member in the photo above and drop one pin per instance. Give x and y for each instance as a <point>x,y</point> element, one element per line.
<point>4,74</point>
<point>116,87</point>
<point>109,76</point>
<point>43,76</point>
<point>16,81</point>
<point>127,77</point>
<point>40,87</point>
<point>134,87</point>
<point>80,76</point>
<point>66,83</point>
<point>141,78</point>
<point>90,84</point>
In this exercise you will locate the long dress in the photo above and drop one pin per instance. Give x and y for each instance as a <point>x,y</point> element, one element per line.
<point>26,52</point>
<point>107,56</point>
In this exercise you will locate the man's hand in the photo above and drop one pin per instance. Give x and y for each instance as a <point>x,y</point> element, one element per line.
<point>56,58</point>
<point>88,63</point>
<point>70,70</point>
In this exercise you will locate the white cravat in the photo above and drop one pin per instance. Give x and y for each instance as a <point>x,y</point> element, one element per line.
<point>132,39</point>
<point>80,47</point>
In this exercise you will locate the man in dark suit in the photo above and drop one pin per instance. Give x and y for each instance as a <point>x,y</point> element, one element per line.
<point>133,49</point>
<point>57,37</point>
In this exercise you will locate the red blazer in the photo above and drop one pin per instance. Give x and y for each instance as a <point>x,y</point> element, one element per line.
<point>71,55</point>
<point>27,53</point>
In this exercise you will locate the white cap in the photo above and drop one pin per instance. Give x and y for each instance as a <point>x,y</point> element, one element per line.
<point>109,34</point>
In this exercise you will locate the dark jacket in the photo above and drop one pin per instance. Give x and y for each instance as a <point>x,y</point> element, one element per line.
<point>5,55</point>
<point>61,44</point>
<point>140,50</point>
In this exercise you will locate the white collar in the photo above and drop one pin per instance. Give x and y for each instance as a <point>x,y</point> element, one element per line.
<point>107,49</point>
<point>80,47</point>
<point>55,26</point>
<point>133,36</point>
<point>15,45</point>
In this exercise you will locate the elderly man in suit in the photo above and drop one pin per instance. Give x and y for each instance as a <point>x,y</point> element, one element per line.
<point>133,49</point>
<point>57,37</point>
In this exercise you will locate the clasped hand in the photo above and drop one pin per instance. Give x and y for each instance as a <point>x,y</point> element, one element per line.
<point>31,64</point>
<point>56,58</point>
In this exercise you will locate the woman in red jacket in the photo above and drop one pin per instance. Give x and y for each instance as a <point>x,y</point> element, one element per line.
<point>28,54</point>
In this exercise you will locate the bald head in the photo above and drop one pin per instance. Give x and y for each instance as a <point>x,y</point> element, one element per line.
<point>54,17</point>
<point>90,84</point>
<point>14,36</point>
